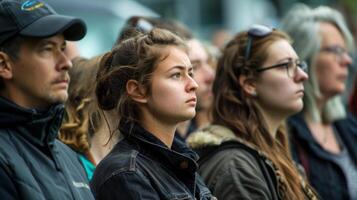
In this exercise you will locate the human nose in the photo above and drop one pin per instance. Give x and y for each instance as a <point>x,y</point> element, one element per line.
<point>300,75</point>
<point>64,63</point>
<point>345,59</point>
<point>191,84</point>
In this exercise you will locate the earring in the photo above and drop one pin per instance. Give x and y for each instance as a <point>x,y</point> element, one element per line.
<point>254,93</point>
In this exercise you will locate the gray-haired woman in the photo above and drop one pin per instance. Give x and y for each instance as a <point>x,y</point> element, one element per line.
<point>323,136</point>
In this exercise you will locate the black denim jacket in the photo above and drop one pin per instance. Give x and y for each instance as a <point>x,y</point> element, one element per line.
<point>141,167</point>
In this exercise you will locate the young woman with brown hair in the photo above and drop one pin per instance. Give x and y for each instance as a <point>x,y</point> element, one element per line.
<point>259,83</point>
<point>148,81</point>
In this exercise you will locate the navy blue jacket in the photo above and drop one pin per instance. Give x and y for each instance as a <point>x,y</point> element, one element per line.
<point>324,175</point>
<point>33,163</point>
<point>141,167</point>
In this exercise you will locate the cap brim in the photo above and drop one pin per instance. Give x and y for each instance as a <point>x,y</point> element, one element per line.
<point>73,29</point>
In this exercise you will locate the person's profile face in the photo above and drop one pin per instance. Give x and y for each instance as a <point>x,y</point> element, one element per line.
<point>204,73</point>
<point>40,74</point>
<point>332,61</point>
<point>173,89</point>
<point>277,90</point>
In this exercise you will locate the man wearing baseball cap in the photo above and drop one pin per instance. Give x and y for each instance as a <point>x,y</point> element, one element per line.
<point>33,87</point>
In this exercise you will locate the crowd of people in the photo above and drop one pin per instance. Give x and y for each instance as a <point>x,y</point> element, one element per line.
<point>163,115</point>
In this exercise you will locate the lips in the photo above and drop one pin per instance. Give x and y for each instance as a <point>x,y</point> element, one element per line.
<point>192,100</point>
<point>62,79</point>
<point>342,77</point>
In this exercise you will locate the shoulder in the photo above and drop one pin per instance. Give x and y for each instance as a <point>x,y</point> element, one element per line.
<point>238,167</point>
<point>118,162</point>
<point>239,157</point>
<point>63,148</point>
<point>347,126</point>
<point>120,170</point>
<point>7,147</point>
<point>124,184</point>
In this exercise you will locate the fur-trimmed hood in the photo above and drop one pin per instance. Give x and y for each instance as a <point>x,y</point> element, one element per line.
<point>215,135</point>
<point>212,135</point>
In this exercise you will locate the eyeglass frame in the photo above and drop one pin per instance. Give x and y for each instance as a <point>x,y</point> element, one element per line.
<point>259,31</point>
<point>299,64</point>
<point>336,50</point>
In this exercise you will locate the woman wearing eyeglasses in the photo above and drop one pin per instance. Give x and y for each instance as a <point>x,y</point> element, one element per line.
<point>324,135</point>
<point>244,154</point>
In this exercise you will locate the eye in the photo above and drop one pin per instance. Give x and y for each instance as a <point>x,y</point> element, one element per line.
<point>47,48</point>
<point>290,65</point>
<point>63,48</point>
<point>191,74</point>
<point>176,75</point>
<point>196,66</point>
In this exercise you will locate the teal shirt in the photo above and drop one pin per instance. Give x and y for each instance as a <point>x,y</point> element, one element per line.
<point>88,166</point>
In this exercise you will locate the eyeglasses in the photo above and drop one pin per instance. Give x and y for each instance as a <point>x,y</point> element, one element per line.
<point>290,66</point>
<point>259,31</point>
<point>338,51</point>
<point>140,24</point>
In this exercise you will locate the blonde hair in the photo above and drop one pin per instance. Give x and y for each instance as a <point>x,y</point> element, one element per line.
<point>82,116</point>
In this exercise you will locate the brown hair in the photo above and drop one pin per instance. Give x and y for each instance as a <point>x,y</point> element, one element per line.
<point>235,109</point>
<point>133,59</point>
<point>82,117</point>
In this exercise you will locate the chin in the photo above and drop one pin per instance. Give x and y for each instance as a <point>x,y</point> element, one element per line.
<point>58,98</point>
<point>297,107</point>
<point>189,116</point>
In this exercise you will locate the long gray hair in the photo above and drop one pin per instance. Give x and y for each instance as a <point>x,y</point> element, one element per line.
<point>302,24</point>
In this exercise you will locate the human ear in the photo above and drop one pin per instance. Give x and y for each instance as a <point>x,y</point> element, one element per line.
<point>135,91</point>
<point>5,66</point>
<point>248,85</point>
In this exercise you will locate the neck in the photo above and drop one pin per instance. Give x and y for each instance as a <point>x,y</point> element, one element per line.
<point>164,131</point>
<point>100,143</point>
<point>21,99</point>
<point>202,118</point>
<point>320,104</point>
<point>100,146</point>
<point>183,127</point>
<point>273,121</point>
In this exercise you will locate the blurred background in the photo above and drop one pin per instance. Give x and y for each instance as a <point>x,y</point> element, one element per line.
<point>212,21</point>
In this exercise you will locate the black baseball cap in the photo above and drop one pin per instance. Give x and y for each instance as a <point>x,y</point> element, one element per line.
<point>35,18</point>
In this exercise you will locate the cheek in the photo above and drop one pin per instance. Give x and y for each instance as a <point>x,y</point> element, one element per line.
<point>165,94</point>
<point>325,70</point>
<point>275,90</point>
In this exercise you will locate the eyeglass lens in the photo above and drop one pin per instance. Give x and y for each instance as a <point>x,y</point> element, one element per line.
<point>292,67</point>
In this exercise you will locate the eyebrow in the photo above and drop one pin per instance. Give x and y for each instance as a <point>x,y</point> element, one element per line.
<point>180,68</point>
<point>48,41</point>
<point>287,59</point>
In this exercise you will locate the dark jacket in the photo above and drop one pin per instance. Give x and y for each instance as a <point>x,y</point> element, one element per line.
<point>33,163</point>
<point>141,167</point>
<point>233,168</point>
<point>324,175</point>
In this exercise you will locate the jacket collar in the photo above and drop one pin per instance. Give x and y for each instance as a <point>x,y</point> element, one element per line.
<point>179,156</point>
<point>40,127</point>
<point>302,130</point>
<point>215,135</point>
<point>346,129</point>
